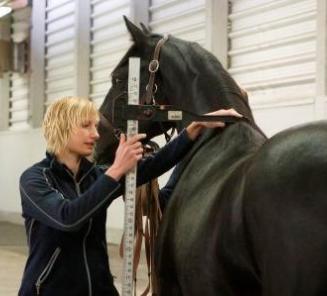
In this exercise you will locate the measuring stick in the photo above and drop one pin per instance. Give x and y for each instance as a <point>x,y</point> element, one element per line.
<point>130,183</point>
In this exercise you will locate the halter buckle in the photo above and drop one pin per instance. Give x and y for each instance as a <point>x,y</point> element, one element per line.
<point>154,89</point>
<point>153,66</point>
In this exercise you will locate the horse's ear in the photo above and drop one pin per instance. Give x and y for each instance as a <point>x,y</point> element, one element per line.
<point>138,36</point>
<point>145,30</point>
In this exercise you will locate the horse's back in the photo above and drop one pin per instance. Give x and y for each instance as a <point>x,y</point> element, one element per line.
<point>285,206</point>
<point>293,161</point>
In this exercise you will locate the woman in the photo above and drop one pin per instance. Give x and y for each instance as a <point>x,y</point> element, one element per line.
<point>65,197</point>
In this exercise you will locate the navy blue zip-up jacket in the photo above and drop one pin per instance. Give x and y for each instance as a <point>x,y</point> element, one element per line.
<point>65,221</point>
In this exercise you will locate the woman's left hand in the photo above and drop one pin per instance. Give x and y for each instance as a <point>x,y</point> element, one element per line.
<point>196,127</point>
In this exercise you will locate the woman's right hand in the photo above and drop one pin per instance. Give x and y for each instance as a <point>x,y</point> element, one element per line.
<point>128,153</point>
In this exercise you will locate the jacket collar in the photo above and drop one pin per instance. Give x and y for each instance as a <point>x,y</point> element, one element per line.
<point>64,172</point>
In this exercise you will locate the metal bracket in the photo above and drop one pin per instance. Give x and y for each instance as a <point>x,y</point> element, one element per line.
<point>160,113</point>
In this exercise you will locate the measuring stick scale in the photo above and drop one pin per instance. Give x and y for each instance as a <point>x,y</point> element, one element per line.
<point>130,184</point>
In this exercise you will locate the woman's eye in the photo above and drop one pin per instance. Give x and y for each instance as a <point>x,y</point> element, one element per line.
<point>86,125</point>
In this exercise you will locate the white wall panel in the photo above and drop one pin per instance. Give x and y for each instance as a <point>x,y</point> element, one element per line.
<point>60,49</point>
<point>273,120</point>
<point>182,19</point>
<point>60,24</point>
<point>109,42</point>
<point>272,50</point>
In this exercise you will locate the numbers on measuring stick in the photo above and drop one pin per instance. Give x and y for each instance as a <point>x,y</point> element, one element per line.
<point>130,183</point>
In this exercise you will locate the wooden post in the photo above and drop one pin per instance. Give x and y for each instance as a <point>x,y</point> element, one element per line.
<point>321,60</point>
<point>217,29</point>
<point>140,12</point>
<point>37,63</point>
<point>82,48</point>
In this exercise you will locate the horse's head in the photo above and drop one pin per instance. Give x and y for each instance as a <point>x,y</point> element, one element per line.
<point>143,47</point>
<point>189,77</point>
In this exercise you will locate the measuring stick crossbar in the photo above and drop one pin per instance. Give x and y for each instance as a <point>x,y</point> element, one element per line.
<point>163,113</point>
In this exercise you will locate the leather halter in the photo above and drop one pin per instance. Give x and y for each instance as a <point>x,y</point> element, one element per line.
<point>151,87</point>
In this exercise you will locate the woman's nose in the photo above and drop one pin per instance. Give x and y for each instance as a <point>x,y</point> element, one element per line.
<point>95,133</point>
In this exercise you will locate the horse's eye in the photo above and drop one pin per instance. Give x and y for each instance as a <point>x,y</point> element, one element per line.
<point>117,80</point>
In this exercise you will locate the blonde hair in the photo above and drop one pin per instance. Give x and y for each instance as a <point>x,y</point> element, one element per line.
<point>62,116</point>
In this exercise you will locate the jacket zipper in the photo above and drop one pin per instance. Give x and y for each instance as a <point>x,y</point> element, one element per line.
<point>77,184</point>
<point>46,271</point>
<point>30,232</point>
<point>85,258</point>
<point>78,191</point>
<point>104,245</point>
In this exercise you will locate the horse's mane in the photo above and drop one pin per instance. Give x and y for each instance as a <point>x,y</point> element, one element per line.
<point>218,87</point>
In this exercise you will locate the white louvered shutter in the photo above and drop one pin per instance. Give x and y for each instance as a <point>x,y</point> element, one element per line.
<point>272,49</point>
<point>18,104</point>
<point>185,19</point>
<point>109,42</point>
<point>60,49</point>
<point>19,82</point>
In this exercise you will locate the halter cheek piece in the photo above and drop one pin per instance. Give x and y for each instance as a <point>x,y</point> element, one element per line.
<point>151,87</point>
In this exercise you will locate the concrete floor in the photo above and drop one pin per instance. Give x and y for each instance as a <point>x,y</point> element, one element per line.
<point>13,252</point>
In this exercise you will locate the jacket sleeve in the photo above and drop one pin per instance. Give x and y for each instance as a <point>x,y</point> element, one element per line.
<point>162,161</point>
<point>166,192</point>
<point>47,205</point>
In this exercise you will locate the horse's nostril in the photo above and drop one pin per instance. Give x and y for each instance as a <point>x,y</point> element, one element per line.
<point>117,133</point>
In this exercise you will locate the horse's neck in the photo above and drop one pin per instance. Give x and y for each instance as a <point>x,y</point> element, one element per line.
<point>231,145</point>
<point>207,171</point>
<point>214,158</point>
<point>239,140</point>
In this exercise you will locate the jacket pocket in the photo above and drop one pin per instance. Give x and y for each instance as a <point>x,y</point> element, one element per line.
<point>47,270</point>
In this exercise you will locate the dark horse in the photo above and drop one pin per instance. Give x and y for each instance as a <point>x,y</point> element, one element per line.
<point>248,215</point>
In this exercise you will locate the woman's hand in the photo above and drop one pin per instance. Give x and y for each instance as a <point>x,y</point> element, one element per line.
<point>195,128</point>
<point>128,153</point>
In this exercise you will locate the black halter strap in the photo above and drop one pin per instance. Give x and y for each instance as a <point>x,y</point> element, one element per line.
<point>151,87</point>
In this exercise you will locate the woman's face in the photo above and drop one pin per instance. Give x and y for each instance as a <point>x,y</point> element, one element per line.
<point>83,138</point>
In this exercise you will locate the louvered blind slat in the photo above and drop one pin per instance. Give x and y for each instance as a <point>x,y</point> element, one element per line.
<point>109,42</point>
<point>183,19</point>
<point>59,49</point>
<point>272,49</point>
<point>19,82</point>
